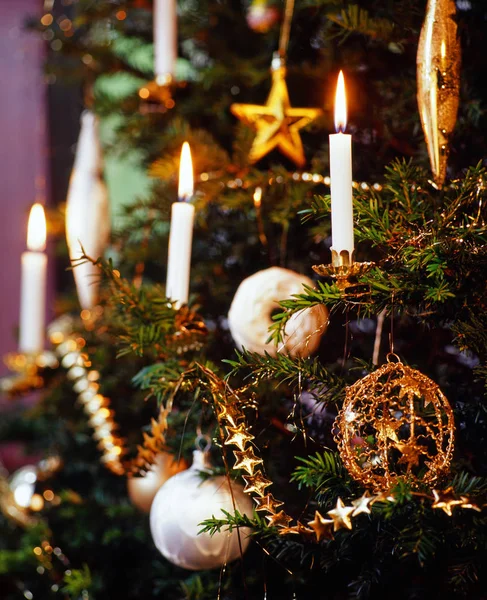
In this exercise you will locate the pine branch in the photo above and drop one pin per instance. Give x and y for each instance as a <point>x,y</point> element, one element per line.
<point>289,371</point>
<point>320,470</point>
<point>354,19</point>
<point>231,522</point>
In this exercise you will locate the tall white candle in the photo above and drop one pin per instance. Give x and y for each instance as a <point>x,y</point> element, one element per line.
<point>181,234</point>
<point>33,284</point>
<point>165,39</point>
<point>341,177</point>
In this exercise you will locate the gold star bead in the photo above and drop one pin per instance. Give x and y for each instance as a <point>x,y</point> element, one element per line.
<point>386,429</point>
<point>410,454</point>
<point>238,436</point>
<point>246,460</point>
<point>256,484</point>
<point>361,505</point>
<point>321,527</point>
<point>408,386</point>
<point>227,413</point>
<point>445,501</point>
<point>341,515</point>
<point>277,124</point>
<point>267,503</point>
<point>280,519</point>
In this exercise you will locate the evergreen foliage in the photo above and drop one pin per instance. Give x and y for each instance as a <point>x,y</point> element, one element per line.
<point>429,252</point>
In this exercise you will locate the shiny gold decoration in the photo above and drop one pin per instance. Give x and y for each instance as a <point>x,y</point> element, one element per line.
<point>238,436</point>
<point>26,371</point>
<point>361,505</point>
<point>438,74</point>
<point>296,176</point>
<point>229,414</point>
<point>69,347</point>
<point>446,500</point>
<point>277,123</point>
<point>266,503</point>
<point>341,515</point>
<point>343,269</point>
<point>395,425</point>
<point>256,484</point>
<point>246,460</point>
<point>322,527</point>
<point>190,331</point>
<point>280,519</point>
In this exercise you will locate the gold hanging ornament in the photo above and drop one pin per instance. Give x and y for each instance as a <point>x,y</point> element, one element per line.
<point>395,425</point>
<point>276,122</point>
<point>438,75</point>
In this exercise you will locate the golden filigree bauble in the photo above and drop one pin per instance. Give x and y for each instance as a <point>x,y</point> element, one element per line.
<point>438,74</point>
<point>395,425</point>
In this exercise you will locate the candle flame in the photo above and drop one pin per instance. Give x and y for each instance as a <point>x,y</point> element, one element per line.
<point>186,184</point>
<point>340,104</point>
<point>36,229</point>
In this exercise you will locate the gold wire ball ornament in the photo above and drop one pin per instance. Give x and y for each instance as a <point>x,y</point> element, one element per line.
<point>438,74</point>
<point>395,425</point>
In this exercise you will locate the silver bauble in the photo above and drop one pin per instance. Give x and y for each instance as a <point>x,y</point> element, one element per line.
<point>183,503</point>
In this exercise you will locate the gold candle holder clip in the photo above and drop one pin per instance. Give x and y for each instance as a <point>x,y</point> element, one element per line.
<point>343,269</point>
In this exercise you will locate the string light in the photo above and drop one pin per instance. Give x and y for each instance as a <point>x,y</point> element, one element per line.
<point>298,176</point>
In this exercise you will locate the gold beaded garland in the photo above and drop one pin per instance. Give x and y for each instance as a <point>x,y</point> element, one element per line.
<point>395,425</point>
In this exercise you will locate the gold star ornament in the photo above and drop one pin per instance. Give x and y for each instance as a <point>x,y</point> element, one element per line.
<point>276,123</point>
<point>321,526</point>
<point>341,515</point>
<point>446,500</point>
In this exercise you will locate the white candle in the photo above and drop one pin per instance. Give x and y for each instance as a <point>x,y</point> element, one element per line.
<point>181,234</point>
<point>341,177</point>
<point>33,284</point>
<point>165,39</point>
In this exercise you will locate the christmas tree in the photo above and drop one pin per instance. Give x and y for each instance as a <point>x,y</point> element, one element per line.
<point>291,381</point>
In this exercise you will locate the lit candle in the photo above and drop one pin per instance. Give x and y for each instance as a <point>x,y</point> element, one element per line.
<point>181,234</point>
<point>33,286</point>
<point>165,40</point>
<point>341,178</point>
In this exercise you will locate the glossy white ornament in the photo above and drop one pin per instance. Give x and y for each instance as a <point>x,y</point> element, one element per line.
<point>250,314</point>
<point>185,501</point>
<point>87,210</point>
<point>142,490</point>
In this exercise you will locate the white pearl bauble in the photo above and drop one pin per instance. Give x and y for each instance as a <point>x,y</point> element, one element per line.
<point>250,314</point>
<point>183,503</point>
<point>142,490</point>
